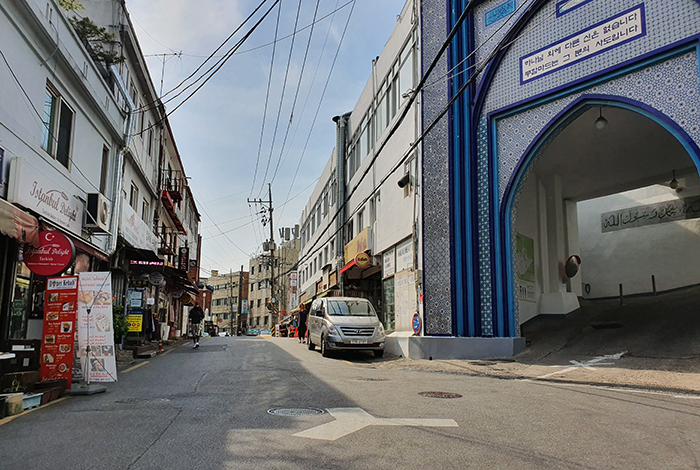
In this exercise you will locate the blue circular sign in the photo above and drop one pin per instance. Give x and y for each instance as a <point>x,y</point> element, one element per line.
<point>416,323</point>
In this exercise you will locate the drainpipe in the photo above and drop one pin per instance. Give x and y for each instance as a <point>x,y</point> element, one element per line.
<point>340,138</point>
<point>118,170</point>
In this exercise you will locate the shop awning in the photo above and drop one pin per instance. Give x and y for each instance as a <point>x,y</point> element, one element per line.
<point>307,302</point>
<point>179,279</point>
<point>347,266</point>
<point>79,243</point>
<point>141,255</point>
<point>16,223</point>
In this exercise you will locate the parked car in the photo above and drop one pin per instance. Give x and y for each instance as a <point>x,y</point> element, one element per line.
<point>345,323</point>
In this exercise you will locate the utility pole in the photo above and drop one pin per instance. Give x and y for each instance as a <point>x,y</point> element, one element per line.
<point>270,246</point>
<point>230,297</point>
<point>240,300</point>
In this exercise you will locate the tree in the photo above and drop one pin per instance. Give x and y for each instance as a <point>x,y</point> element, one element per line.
<point>97,40</point>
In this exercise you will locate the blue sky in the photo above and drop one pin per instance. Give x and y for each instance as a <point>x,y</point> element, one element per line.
<point>218,130</point>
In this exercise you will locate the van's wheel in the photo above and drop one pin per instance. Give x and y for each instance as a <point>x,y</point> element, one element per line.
<point>378,352</point>
<point>324,347</point>
<point>310,345</point>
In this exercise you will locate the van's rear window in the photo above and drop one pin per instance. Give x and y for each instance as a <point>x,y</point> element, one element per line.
<point>350,308</point>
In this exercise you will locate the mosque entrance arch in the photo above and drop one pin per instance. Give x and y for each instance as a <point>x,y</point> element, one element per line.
<point>616,184</point>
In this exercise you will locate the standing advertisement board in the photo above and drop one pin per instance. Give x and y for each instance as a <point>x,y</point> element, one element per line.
<point>95,295</point>
<point>59,328</point>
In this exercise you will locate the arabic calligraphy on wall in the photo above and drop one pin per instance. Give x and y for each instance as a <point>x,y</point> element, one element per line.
<point>652,214</point>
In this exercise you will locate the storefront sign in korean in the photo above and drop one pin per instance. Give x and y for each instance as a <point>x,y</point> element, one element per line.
<point>357,245</point>
<point>613,32</point>
<point>404,255</point>
<point>96,327</point>
<point>135,321</point>
<point>388,262</point>
<point>58,334</point>
<point>54,255</point>
<point>36,191</point>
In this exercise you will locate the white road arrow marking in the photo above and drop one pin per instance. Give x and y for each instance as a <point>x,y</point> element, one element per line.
<point>597,361</point>
<point>349,420</point>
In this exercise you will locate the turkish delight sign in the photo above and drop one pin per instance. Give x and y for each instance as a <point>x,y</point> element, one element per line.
<point>625,27</point>
<point>59,328</point>
<point>95,323</point>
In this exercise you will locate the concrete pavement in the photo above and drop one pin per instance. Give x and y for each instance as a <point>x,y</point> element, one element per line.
<point>650,343</point>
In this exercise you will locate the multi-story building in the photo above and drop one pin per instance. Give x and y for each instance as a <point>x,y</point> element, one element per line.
<point>63,129</point>
<point>360,227</point>
<point>261,305</point>
<point>230,291</point>
<point>158,218</point>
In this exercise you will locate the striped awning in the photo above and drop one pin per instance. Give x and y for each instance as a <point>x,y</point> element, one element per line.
<point>16,223</point>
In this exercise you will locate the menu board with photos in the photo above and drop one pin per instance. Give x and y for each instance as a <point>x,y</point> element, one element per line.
<point>60,306</point>
<point>95,295</point>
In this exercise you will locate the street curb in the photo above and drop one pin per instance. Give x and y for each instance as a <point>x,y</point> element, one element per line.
<point>628,386</point>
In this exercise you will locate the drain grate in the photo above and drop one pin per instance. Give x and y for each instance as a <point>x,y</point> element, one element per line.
<point>606,326</point>
<point>440,395</point>
<point>370,379</point>
<point>295,411</point>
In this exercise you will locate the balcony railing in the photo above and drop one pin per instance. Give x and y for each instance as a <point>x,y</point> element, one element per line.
<point>167,242</point>
<point>174,182</point>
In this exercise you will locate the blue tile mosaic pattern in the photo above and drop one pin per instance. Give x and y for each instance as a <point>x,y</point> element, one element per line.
<point>487,36</point>
<point>437,280</point>
<point>678,98</point>
<point>667,23</point>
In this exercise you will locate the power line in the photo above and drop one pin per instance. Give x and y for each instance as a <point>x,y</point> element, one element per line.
<point>445,109</point>
<point>267,100</point>
<point>46,125</point>
<point>284,88</point>
<point>296,94</point>
<point>214,69</point>
<point>318,108</point>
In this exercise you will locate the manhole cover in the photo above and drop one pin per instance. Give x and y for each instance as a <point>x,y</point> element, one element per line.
<point>606,326</point>
<point>440,395</point>
<point>295,411</point>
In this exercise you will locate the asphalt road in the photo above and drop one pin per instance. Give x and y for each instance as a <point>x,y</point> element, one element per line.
<point>208,409</point>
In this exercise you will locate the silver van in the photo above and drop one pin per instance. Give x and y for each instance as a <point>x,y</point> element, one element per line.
<point>345,323</point>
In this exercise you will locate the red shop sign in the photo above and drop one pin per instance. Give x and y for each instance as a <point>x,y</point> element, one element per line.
<point>362,260</point>
<point>55,254</point>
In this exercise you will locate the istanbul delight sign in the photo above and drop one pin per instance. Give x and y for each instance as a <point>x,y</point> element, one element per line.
<point>54,255</point>
<point>34,190</point>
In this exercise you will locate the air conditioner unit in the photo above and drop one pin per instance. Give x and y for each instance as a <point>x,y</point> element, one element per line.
<point>99,209</point>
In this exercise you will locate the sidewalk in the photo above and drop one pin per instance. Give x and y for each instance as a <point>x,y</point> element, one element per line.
<point>629,372</point>
<point>125,360</point>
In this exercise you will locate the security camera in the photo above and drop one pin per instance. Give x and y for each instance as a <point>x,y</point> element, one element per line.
<point>404,180</point>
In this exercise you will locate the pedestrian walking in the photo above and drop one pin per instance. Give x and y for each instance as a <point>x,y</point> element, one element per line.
<point>196,317</point>
<point>302,322</point>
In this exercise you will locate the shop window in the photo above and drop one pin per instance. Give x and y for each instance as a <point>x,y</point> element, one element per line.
<point>58,127</point>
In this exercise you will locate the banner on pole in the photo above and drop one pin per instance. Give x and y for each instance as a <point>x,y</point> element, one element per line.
<point>95,296</point>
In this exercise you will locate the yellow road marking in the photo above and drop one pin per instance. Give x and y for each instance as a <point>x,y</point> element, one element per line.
<point>135,367</point>
<point>10,418</point>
